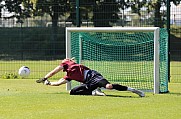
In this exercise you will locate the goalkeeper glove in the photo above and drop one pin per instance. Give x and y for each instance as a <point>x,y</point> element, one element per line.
<point>42,80</point>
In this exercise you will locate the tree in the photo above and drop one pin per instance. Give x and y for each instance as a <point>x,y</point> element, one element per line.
<point>85,8</point>
<point>20,9</point>
<point>158,15</point>
<point>100,12</point>
<point>152,6</point>
<point>105,12</point>
<point>176,2</point>
<point>55,8</point>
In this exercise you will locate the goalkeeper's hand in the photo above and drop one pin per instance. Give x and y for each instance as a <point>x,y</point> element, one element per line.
<point>42,80</point>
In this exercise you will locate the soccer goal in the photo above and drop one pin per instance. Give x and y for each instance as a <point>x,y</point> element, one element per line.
<point>131,56</point>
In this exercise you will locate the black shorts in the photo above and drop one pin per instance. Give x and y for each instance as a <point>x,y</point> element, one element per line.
<point>95,79</point>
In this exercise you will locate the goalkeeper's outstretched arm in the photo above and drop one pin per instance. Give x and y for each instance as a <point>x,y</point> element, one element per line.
<point>53,72</point>
<point>57,83</point>
<point>50,74</point>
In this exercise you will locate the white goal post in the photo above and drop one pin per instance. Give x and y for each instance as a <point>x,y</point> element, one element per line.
<point>156,31</point>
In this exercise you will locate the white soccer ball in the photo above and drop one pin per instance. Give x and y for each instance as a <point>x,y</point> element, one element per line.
<point>24,71</point>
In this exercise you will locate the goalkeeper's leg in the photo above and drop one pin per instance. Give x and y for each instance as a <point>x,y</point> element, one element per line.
<point>125,88</point>
<point>104,83</point>
<point>84,89</point>
<point>81,90</point>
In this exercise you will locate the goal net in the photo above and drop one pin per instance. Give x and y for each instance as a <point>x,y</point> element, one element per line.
<point>135,57</point>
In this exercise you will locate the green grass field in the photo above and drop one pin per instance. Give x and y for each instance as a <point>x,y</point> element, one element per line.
<point>25,99</point>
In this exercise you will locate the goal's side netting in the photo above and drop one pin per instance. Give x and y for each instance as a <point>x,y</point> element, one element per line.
<point>127,56</point>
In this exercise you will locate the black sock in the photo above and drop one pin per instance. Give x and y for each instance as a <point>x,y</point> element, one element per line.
<point>119,87</point>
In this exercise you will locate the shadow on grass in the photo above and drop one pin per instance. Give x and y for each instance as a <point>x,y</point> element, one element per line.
<point>174,93</point>
<point>115,96</point>
<point>121,96</point>
<point>59,93</point>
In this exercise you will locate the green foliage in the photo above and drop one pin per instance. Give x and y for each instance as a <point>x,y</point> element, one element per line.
<point>9,75</point>
<point>100,12</point>
<point>19,12</point>
<point>176,2</point>
<point>176,31</point>
<point>55,8</point>
<point>106,12</point>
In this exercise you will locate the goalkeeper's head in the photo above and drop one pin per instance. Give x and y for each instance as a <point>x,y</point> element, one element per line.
<point>67,62</point>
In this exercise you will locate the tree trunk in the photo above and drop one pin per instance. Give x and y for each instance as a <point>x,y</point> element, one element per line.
<point>54,30</point>
<point>158,22</point>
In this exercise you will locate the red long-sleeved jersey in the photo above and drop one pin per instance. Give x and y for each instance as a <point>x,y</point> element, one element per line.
<point>74,71</point>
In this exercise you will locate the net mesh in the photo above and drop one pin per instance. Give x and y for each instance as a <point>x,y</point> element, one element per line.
<point>125,58</point>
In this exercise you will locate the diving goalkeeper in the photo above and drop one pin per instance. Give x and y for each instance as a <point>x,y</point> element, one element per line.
<point>91,80</point>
